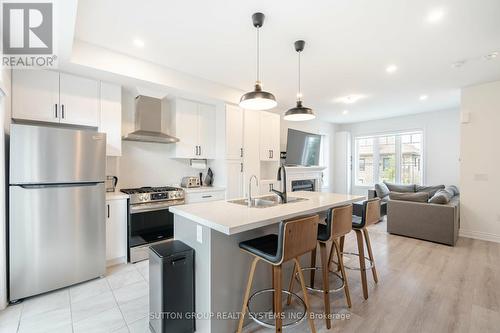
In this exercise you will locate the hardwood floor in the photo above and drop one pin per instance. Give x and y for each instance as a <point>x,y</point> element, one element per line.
<point>423,287</point>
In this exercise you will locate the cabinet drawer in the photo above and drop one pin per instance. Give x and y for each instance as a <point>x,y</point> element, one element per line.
<point>204,196</point>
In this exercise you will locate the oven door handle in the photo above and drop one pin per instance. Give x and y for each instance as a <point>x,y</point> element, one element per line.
<point>151,207</point>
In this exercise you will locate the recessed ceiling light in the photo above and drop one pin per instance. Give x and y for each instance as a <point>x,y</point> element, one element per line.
<point>391,69</point>
<point>491,56</point>
<point>423,97</point>
<point>345,112</point>
<point>349,99</point>
<point>435,15</point>
<point>138,43</point>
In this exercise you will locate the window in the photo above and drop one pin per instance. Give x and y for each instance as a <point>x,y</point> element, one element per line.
<point>395,158</point>
<point>361,164</point>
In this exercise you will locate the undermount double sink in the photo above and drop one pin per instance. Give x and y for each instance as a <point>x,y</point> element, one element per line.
<point>266,201</point>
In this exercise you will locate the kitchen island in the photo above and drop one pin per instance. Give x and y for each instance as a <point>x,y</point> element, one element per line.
<point>214,230</point>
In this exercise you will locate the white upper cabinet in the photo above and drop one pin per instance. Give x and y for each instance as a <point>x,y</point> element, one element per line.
<point>234,132</point>
<point>79,98</point>
<point>185,128</point>
<point>193,124</point>
<point>206,131</point>
<point>35,95</point>
<point>54,97</point>
<point>269,136</point>
<point>111,117</point>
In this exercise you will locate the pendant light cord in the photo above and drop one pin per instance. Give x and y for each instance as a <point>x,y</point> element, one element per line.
<point>258,55</point>
<point>299,97</point>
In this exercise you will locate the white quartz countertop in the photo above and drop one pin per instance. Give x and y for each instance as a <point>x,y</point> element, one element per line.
<point>203,189</point>
<point>116,195</point>
<point>230,218</point>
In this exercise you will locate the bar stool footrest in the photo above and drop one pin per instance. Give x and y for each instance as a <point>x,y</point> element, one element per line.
<point>317,290</point>
<point>367,267</point>
<point>256,316</point>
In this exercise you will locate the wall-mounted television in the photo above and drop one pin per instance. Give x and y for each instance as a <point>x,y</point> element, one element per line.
<point>302,148</point>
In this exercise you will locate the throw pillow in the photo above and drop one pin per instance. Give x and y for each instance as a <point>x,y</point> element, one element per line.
<point>441,197</point>
<point>406,196</point>
<point>381,190</point>
<point>454,188</point>
<point>429,189</point>
<point>400,187</point>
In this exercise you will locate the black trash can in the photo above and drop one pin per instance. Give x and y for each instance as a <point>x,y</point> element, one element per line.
<point>171,288</point>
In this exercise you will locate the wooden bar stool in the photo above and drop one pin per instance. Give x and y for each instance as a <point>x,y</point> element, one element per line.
<point>295,238</point>
<point>370,215</point>
<point>338,224</point>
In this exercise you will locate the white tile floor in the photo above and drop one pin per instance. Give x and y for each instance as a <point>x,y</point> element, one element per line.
<point>117,303</point>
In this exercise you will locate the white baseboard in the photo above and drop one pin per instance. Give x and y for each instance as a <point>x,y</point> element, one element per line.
<point>486,236</point>
<point>116,261</point>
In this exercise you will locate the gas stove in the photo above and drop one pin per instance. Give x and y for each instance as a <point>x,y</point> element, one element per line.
<point>148,194</point>
<point>150,221</point>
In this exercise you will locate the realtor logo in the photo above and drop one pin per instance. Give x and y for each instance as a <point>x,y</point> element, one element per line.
<point>28,30</point>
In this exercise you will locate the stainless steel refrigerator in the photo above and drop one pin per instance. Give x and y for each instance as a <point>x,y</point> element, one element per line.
<point>57,229</point>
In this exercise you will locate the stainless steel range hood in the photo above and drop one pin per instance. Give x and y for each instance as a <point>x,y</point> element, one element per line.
<point>148,121</point>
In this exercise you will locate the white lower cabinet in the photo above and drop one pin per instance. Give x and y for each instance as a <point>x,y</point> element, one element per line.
<point>203,196</point>
<point>116,231</point>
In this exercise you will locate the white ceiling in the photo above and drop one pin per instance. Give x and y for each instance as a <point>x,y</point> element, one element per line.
<point>349,43</point>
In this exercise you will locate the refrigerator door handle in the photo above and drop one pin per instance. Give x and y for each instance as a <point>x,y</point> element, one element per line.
<point>35,186</point>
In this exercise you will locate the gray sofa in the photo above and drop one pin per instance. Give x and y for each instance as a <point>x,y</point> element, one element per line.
<point>422,219</point>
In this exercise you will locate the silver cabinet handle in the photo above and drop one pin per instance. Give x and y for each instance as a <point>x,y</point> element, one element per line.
<point>241,167</point>
<point>241,152</point>
<point>200,150</point>
<point>56,109</point>
<point>62,111</point>
<point>272,153</point>
<point>206,196</point>
<point>108,212</point>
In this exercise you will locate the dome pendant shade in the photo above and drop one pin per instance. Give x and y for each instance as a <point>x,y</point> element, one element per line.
<point>299,113</point>
<point>258,99</point>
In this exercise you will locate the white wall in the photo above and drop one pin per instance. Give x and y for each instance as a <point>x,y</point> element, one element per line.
<point>441,142</point>
<point>312,126</point>
<point>480,167</point>
<point>5,105</point>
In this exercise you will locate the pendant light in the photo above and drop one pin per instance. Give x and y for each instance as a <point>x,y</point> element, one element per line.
<point>258,99</point>
<point>299,112</point>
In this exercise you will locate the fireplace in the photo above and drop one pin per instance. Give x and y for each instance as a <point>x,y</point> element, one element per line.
<point>304,178</point>
<point>303,185</point>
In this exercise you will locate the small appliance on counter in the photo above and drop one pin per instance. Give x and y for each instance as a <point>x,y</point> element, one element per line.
<point>209,178</point>
<point>111,182</point>
<point>190,182</point>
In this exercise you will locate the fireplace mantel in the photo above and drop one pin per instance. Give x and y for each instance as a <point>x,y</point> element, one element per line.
<point>314,173</point>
